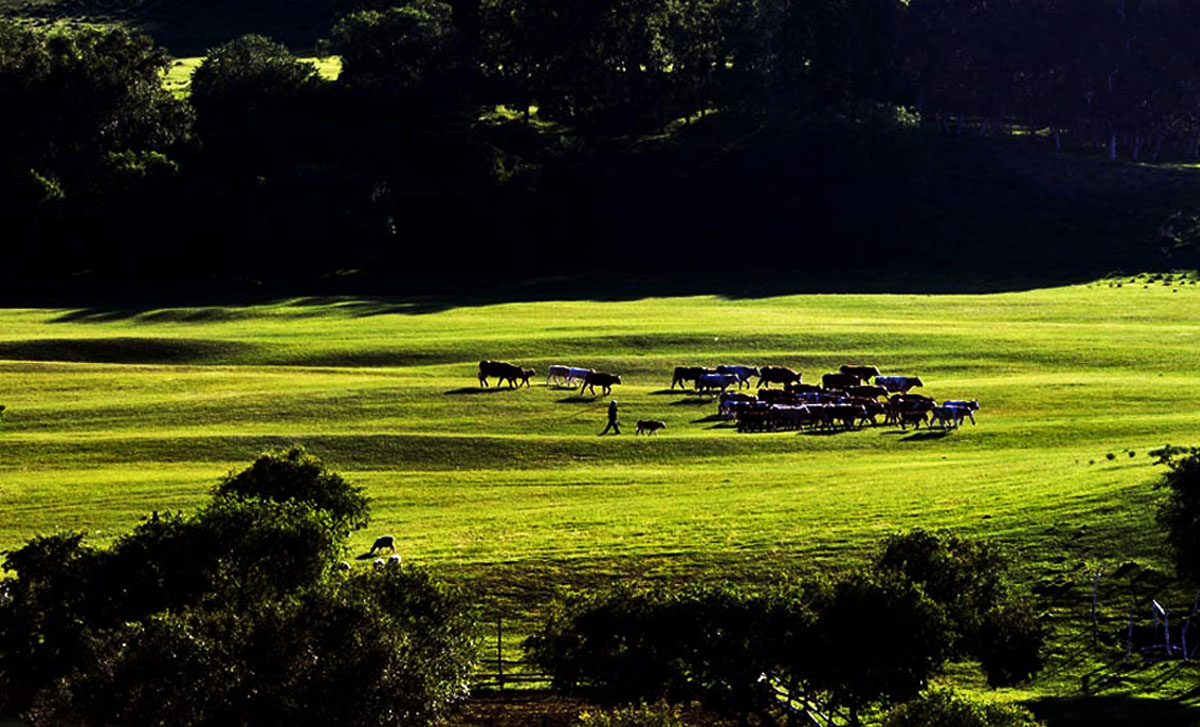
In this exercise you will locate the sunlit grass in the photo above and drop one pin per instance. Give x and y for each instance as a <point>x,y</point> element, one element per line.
<point>114,413</point>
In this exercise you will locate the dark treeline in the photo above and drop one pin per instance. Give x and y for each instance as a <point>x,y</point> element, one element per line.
<point>521,137</point>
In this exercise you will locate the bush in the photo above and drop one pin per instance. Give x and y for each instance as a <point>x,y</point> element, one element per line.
<point>944,708</point>
<point>969,580</point>
<point>231,616</point>
<point>1179,514</point>
<point>659,714</point>
<point>707,644</point>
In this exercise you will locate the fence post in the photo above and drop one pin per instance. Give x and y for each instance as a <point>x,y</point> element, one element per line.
<point>499,653</point>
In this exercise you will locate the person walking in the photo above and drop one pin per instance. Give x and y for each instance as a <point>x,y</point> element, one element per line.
<point>612,419</point>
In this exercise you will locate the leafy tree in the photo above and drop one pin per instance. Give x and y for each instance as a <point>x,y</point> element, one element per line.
<point>83,95</point>
<point>708,644</point>
<point>878,640</point>
<point>294,475</point>
<point>241,87</point>
<point>944,708</point>
<point>407,52</point>
<point>1179,514</point>
<point>233,615</point>
<point>969,579</point>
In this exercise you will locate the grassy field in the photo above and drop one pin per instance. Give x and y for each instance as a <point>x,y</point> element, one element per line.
<point>114,412</point>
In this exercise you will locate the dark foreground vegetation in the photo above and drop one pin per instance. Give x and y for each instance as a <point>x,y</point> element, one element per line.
<point>245,613</point>
<point>511,138</point>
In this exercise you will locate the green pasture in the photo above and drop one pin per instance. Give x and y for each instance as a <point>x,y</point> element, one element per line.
<point>115,412</point>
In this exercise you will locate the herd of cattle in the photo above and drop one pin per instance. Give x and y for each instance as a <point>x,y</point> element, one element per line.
<point>846,399</point>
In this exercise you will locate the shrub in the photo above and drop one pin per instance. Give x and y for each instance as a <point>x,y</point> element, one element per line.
<point>1179,513</point>
<point>944,708</point>
<point>658,714</point>
<point>231,616</point>
<point>969,580</point>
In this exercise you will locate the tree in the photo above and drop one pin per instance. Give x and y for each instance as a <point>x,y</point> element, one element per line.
<point>232,615</point>
<point>83,95</point>
<point>406,52</point>
<point>969,580</point>
<point>878,640</point>
<point>241,88</point>
<point>294,475</point>
<point>1179,514</point>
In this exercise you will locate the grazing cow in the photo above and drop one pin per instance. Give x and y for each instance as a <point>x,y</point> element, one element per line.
<point>709,382</point>
<point>743,373</point>
<point>871,407</point>
<point>526,375</point>
<point>501,371</point>
<point>916,417</point>
<point>969,407</point>
<point>866,392</point>
<point>946,416</point>
<point>839,381</point>
<point>577,374</point>
<point>792,417</point>
<point>650,426</point>
<point>863,372</point>
<point>689,373</point>
<point>395,560</point>
<point>731,400</point>
<point>559,373</point>
<point>755,418</point>
<point>900,404</point>
<point>777,375</point>
<point>377,563</point>
<point>384,541</point>
<point>596,378</point>
<point>849,415</point>
<point>898,383</point>
<point>798,388</point>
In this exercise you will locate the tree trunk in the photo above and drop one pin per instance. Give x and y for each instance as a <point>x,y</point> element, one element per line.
<point>1112,146</point>
<point>1137,146</point>
<point>1057,139</point>
<point>1158,145</point>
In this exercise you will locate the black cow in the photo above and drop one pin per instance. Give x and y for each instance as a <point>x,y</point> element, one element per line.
<point>603,380</point>
<point>689,373</point>
<point>840,381</point>
<point>501,371</point>
<point>777,375</point>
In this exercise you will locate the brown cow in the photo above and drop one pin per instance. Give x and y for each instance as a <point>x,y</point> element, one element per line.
<point>650,426</point>
<point>866,392</point>
<point>866,373</point>
<point>839,381</point>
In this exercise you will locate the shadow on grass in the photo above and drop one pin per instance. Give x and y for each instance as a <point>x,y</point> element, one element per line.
<point>1113,710</point>
<point>219,300</point>
<point>925,436</point>
<point>477,390</point>
<point>577,399</point>
<point>710,418</point>
<point>666,392</point>
<point>722,425</point>
<point>693,402</point>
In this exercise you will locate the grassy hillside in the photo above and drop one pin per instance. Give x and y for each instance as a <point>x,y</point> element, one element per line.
<point>115,412</point>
